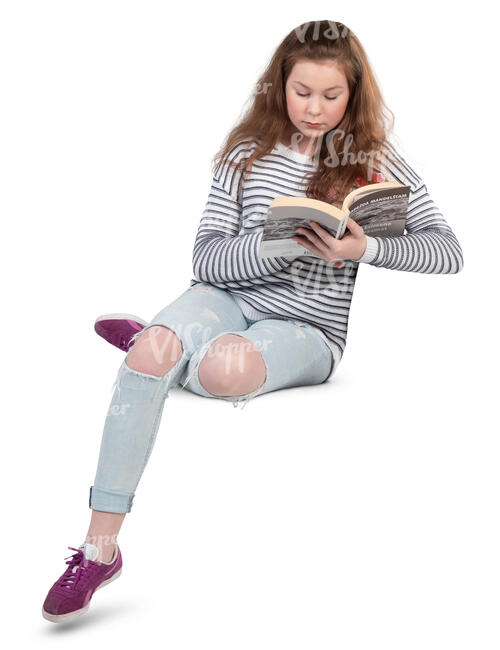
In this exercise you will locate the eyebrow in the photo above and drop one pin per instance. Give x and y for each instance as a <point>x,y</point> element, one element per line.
<point>332,88</point>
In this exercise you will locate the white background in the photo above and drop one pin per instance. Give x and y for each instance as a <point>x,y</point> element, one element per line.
<point>359,514</point>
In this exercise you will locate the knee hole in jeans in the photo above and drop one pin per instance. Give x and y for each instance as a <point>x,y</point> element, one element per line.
<point>232,367</point>
<point>156,350</point>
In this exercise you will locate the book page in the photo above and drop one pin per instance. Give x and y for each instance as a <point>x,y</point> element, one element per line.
<point>281,225</point>
<point>382,213</point>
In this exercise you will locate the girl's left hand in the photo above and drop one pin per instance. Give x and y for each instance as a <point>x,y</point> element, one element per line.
<point>325,246</point>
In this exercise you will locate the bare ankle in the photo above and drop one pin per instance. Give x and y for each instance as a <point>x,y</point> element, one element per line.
<point>105,544</point>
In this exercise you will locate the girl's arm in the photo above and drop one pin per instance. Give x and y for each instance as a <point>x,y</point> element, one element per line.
<point>430,246</point>
<point>220,253</point>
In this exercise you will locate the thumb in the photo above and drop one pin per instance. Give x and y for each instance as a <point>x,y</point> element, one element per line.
<point>354,227</point>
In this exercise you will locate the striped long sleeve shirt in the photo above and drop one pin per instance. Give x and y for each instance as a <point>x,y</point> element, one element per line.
<point>305,288</point>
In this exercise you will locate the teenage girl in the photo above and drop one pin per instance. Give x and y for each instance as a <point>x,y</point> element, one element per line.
<point>249,325</point>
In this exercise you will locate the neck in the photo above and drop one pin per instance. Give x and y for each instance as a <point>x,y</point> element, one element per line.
<point>301,143</point>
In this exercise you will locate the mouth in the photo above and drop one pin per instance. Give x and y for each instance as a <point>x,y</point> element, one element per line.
<point>312,124</point>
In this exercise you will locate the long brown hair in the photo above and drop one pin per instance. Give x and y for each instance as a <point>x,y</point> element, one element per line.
<point>362,132</point>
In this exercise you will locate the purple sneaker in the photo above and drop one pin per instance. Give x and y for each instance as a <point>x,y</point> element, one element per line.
<point>70,595</point>
<point>118,329</point>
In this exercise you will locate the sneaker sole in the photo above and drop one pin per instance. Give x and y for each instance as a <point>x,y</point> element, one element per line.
<point>121,317</point>
<point>116,338</point>
<point>61,618</point>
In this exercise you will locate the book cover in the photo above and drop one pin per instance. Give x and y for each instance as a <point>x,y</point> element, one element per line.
<point>379,208</point>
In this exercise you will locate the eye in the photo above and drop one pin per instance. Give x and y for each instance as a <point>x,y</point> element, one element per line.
<point>307,95</point>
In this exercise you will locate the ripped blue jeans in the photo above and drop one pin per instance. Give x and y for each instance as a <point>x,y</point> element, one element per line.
<point>294,354</point>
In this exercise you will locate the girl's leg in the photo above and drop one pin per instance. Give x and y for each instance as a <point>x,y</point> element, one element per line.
<point>153,365</point>
<point>128,438</point>
<point>103,532</point>
<point>291,352</point>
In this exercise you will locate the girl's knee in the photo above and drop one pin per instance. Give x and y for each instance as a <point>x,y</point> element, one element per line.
<point>156,350</point>
<point>232,366</point>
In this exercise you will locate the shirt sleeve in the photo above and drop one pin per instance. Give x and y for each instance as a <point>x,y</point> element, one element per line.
<point>220,253</point>
<point>429,244</point>
<point>371,251</point>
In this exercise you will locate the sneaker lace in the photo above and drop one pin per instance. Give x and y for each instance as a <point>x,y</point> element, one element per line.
<point>78,571</point>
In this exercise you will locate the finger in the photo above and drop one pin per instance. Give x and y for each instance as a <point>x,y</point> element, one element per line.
<point>323,234</point>
<point>314,239</point>
<point>328,242</point>
<point>354,227</point>
<point>309,245</point>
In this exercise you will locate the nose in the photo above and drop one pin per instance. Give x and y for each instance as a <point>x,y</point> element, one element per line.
<point>313,108</point>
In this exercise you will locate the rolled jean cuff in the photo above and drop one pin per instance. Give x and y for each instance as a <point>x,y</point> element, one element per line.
<point>109,500</point>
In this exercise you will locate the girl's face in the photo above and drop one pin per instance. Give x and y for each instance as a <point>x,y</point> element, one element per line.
<point>316,92</point>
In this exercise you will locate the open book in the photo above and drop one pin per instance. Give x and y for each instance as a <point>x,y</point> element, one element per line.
<point>380,208</point>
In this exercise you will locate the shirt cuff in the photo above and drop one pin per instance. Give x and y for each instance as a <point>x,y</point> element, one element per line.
<point>371,252</point>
